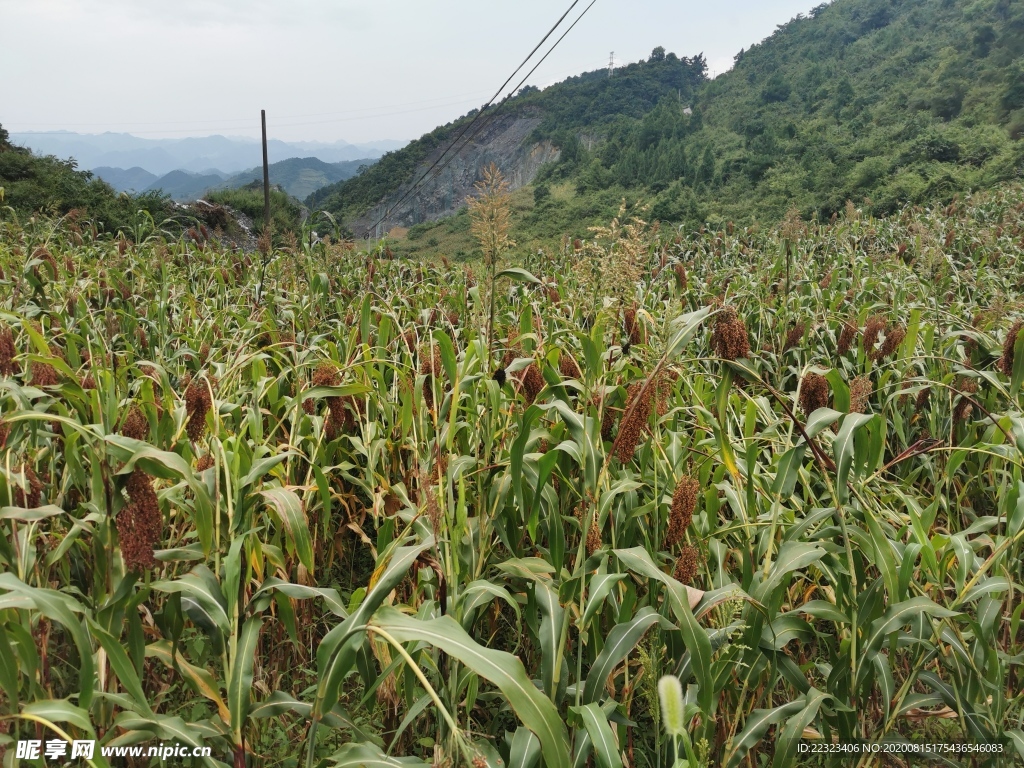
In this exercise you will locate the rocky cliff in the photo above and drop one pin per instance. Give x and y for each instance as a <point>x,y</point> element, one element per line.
<point>503,140</point>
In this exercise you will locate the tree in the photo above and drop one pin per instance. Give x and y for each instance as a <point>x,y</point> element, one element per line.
<point>658,54</point>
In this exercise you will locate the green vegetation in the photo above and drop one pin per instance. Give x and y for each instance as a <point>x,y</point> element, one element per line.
<point>301,176</point>
<point>882,102</point>
<point>588,102</point>
<point>285,211</point>
<point>333,528</point>
<point>891,101</point>
<point>47,185</point>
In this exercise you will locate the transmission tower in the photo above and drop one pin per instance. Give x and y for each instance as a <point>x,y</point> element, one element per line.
<point>611,63</point>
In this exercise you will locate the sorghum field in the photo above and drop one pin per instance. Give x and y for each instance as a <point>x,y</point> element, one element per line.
<point>331,508</point>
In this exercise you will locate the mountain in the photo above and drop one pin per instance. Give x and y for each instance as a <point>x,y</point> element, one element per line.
<point>33,184</point>
<point>183,186</point>
<point>125,180</point>
<point>196,155</point>
<point>877,101</point>
<point>300,177</point>
<point>529,131</point>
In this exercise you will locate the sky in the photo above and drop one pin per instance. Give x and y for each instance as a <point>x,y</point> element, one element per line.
<point>354,70</point>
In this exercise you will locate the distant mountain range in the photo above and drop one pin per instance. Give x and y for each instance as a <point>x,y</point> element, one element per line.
<point>299,177</point>
<point>195,155</point>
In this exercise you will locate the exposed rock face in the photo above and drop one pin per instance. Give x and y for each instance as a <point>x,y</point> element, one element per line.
<point>504,140</point>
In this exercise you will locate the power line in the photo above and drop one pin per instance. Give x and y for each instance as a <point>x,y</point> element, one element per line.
<point>514,90</point>
<point>479,114</point>
<point>127,127</point>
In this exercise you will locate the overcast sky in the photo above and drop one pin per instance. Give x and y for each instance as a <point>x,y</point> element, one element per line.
<point>357,70</point>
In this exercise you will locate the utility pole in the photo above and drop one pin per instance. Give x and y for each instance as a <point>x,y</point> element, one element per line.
<point>266,177</point>
<point>266,209</point>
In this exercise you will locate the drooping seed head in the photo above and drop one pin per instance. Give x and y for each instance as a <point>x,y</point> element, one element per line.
<point>967,387</point>
<point>921,401</point>
<point>30,496</point>
<point>684,502</point>
<point>814,393</point>
<point>680,271</point>
<point>893,338</point>
<point>8,365</point>
<point>43,374</point>
<point>872,330</point>
<point>197,404</point>
<point>140,523</point>
<point>846,337</point>
<point>633,326</point>
<point>568,367</point>
<point>136,425</point>
<point>634,421</point>
<point>729,337</point>
<point>533,383</point>
<point>1007,360</point>
<point>594,541</point>
<point>687,565</point>
<point>794,336</point>
<point>860,394</point>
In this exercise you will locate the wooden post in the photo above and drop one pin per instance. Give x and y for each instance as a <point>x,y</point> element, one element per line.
<point>265,237</point>
<point>266,177</point>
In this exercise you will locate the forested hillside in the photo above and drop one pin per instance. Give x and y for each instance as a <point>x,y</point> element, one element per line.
<point>33,184</point>
<point>876,101</point>
<point>572,114</point>
<point>889,100</point>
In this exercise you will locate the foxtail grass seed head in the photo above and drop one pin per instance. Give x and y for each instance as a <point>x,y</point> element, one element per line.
<point>670,695</point>
<point>684,502</point>
<point>860,394</point>
<point>729,338</point>
<point>813,393</point>
<point>638,411</point>
<point>847,337</point>
<point>1006,361</point>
